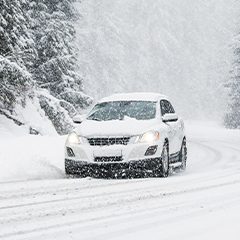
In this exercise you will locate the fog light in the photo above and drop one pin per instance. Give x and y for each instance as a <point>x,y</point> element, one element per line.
<point>70,152</point>
<point>151,150</point>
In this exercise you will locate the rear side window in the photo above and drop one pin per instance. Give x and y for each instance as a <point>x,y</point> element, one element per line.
<point>166,107</point>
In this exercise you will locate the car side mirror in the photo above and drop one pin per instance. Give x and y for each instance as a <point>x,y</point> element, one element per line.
<point>170,117</point>
<point>77,119</point>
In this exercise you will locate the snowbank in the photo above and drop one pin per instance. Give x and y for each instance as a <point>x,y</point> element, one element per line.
<point>24,156</point>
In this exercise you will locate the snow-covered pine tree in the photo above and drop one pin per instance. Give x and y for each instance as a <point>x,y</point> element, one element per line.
<point>15,84</point>
<point>16,48</point>
<point>53,65</point>
<point>232,118</point>
<point>56,66</point>
<point>36,43</point>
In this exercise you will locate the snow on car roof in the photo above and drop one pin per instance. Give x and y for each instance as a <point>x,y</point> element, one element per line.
<point>139,96</point>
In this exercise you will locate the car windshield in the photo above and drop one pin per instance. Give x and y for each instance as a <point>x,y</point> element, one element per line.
<point>117,110</point>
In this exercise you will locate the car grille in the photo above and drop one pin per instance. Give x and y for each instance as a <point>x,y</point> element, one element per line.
<point>107,141</point>
<point>108,159</point>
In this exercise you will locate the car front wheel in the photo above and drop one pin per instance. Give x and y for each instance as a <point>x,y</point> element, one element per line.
<point>164,169</point>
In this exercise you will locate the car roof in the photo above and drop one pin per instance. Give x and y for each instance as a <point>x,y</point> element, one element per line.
<point>137,96</point>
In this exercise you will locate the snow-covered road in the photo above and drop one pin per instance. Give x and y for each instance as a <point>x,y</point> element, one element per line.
<point>38,202</point>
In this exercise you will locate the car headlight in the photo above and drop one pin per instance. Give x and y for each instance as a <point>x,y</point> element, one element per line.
<point>149,136</point>
<point>73,138</point>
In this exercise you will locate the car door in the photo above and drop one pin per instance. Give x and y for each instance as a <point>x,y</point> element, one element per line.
<point>173,127</point>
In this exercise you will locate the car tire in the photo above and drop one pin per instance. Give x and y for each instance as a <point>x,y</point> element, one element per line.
<point>164,168</point>
<point>183,155</point>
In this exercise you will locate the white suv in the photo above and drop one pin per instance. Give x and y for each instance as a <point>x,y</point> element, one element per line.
<point>127,134</point>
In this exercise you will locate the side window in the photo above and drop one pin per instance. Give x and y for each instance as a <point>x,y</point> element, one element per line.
<point>166,107</point>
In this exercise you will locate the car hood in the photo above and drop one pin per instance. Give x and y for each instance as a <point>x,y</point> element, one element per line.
<point>127,127</point>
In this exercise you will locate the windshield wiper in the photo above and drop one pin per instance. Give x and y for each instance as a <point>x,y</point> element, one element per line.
<point>95,119</point>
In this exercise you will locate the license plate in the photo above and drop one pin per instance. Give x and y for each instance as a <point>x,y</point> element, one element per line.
<point>107,153</point>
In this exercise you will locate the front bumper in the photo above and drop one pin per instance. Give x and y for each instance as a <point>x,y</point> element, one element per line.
<point>146,167</point>
<point>120,153</point>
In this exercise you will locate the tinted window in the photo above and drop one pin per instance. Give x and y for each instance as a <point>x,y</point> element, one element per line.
<point>166,107</point>
<point>140,110</point>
